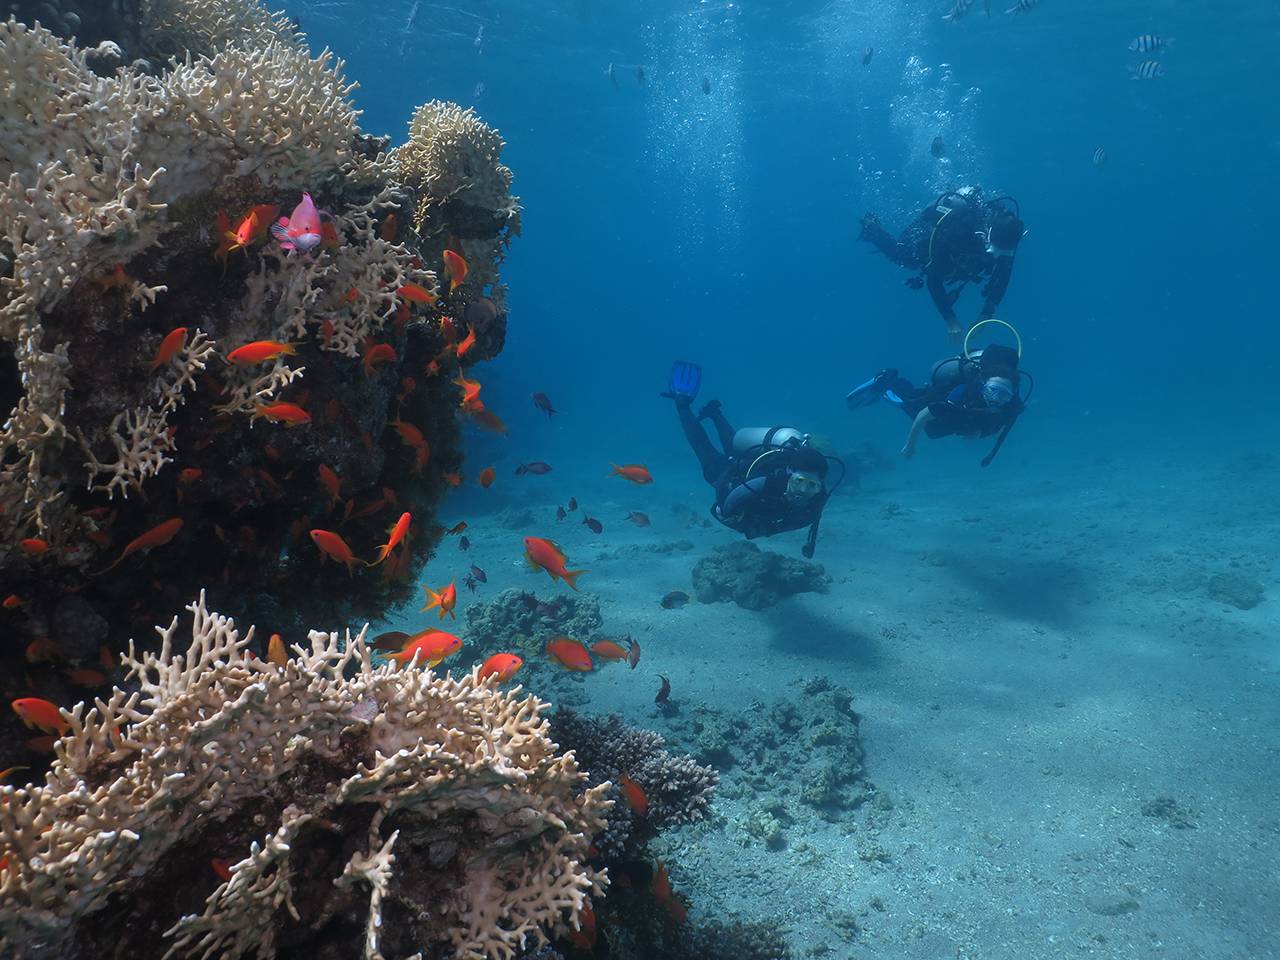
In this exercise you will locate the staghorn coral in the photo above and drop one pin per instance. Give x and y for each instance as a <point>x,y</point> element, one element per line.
<point>678,790</point>
<point>174,28</point>
<point>355,804</point>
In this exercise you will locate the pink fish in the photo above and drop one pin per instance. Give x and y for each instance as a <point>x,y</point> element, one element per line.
<point>303,230</point>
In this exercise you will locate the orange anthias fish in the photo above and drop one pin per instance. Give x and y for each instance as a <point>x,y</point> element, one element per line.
<point>332,545</point>
<point>470,391</point>
<point>634,796</point>
<point>416,293</point>
<point>40,714</point>
<point>467,343</point>
<point>446,600</point>
<point>486,418</point>
<point>275,651</point>
<point>635,472</point>
<point>431,646</point>
<point>260,351</point>
<point>12,602</point>
<point>86,678</point>
<point>117,279</point>
<point>157,536</point>
<point>486,477</point>
<point>221,869</point>
<point>10,771</point>
<point>501,665</point>
<point>453,479</point>
<point>226,236</point>
<point>570,654</point>
<point>329,239</point>
<point>608,650</point>
<point>584,938</point>
<point>33,546</point>
<point>332,484</point>
<point>546,555</point>
<point>173,341</point>
<point>413,437</point>
<point>661,884</point>
<point>394,536</point>
<point>389,228</point>
<point>377,353</point>
<point>290,414</point>
<point>455,268</point>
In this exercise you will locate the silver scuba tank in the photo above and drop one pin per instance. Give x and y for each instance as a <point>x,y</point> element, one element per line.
<point>950,371</point>
<point>763,438</point>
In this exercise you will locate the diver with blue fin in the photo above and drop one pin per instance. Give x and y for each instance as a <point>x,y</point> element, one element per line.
<point>767,480</point>
<point>957,240</point>
<point>975,394</point>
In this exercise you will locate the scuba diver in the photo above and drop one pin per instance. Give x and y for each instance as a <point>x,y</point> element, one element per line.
<point>767,480</point>
<point>972,395</point>
<point>957,240</point>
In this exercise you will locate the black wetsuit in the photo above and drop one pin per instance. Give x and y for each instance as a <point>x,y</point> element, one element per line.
<point>947,243</point>
<point>757,507</point>
<point>957,408</point>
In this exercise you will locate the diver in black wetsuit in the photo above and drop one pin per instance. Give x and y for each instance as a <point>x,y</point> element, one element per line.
<point>975,395</point>
<point>957,240</point>
<point>767,480</point>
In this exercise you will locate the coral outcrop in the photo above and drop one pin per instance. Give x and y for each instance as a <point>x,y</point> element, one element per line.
<point>122,296</point>
<point>521,618</point>
<point>754,578</point>
<point>232,807</point>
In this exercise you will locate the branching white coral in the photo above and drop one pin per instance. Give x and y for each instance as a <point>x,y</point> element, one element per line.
<point>462,773</point>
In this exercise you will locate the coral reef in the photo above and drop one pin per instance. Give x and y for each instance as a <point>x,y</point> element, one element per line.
<point>754,578</point>
<point>347,806</point>
<point>520,618</point>
<point>678,790</point>
<point>121,297</point>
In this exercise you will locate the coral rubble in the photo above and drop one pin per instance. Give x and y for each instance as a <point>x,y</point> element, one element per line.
<point>754,578</point>
<point>233,807</point>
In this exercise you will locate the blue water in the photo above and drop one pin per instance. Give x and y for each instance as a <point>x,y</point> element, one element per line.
<point>662,222</point>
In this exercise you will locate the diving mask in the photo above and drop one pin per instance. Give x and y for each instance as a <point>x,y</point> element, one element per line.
<point>802,486</point>
<point>997,392</point>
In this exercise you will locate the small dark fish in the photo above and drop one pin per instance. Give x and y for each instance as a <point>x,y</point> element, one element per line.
<point>638,518</point>
<point>560,514</point>
<point>640,74</point>
<point>392,640</point>
<point>664,691</point>
<point>543,403</point>
<point>478,574</point>
<point>867,54</point>
<point>480,313</point>
<point>706,84</point>
<point>470,582</point>
<point>572,505</point>
<point>535,467</point>
<point>633,651</point>
<point>938,148</point>
<point>674,600</point>
<point>464,544</point>
<point>593,524</point>
<point>529,601</point>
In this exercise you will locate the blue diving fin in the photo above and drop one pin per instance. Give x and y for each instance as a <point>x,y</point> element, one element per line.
<point>684,380</point>
<point>865,394</point>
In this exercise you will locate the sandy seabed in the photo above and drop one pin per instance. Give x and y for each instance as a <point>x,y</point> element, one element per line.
<point>1074,739</point>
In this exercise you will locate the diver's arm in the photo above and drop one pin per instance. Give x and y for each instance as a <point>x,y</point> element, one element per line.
<point>913,436</point>
<point>812,540</point>
<point>941,299</point>
<point>737,499</point>
<point>995,289</point>
<point>986,461</point>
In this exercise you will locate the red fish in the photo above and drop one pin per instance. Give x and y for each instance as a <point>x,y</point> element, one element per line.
<point>466,343</point>
<point>260,351</point>
<point>40,714</point>
<point>290,414</point>
<point>584,938</point>
<point>431,646</point>
<point>377,353</point>
<point>661,884</point>
<point>394,536</point>
<point>331,482</point>
<point>543,403</point>
<point>413,437</point>
<point>276,652</point>
<point>12,602</point>
<point>635,472</point>
<point>34,546</point>
<point>190,474</point>
<point>470,391</point>
<point>453,479</point>
<point>173,341</point>
<point>226,236</point>
<point>570,654</point>
<point>332,545</point>
<point>445,599</point>
<point>157,536</point>
<point>221,869</point>
<point>634,796</point>
<point>455,268</point>
<point>329,239</point>
<point>402,316</point>
<point>389,228</point>
<point>301,230</point>
<point>501,665</point>
<point>86,678</point>
<point>487,418</point>
<point>416,293</point>
<point>608,650</point>
<point>549,557</point>
<point>486,477</point>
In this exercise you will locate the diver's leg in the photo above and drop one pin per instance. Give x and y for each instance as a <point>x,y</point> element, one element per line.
<point>713,464</point>
<point>712,411</point>
<point>902,393</point>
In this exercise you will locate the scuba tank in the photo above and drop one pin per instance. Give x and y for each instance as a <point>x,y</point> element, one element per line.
<point>760,439</point>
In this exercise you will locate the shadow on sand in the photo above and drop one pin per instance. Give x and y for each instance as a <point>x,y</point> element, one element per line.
<point>798,631</point>
<point>1036,591</point>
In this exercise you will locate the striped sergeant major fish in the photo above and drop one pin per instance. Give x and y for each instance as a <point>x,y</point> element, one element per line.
<point>1150,43</point>
<point>1023,6</point>
<point>1146,70</point>
<point>1099,157</point>
<point>961,7</point>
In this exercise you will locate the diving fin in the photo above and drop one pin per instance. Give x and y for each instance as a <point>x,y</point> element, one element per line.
<point>868,393</point>
<point>684,380</point>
